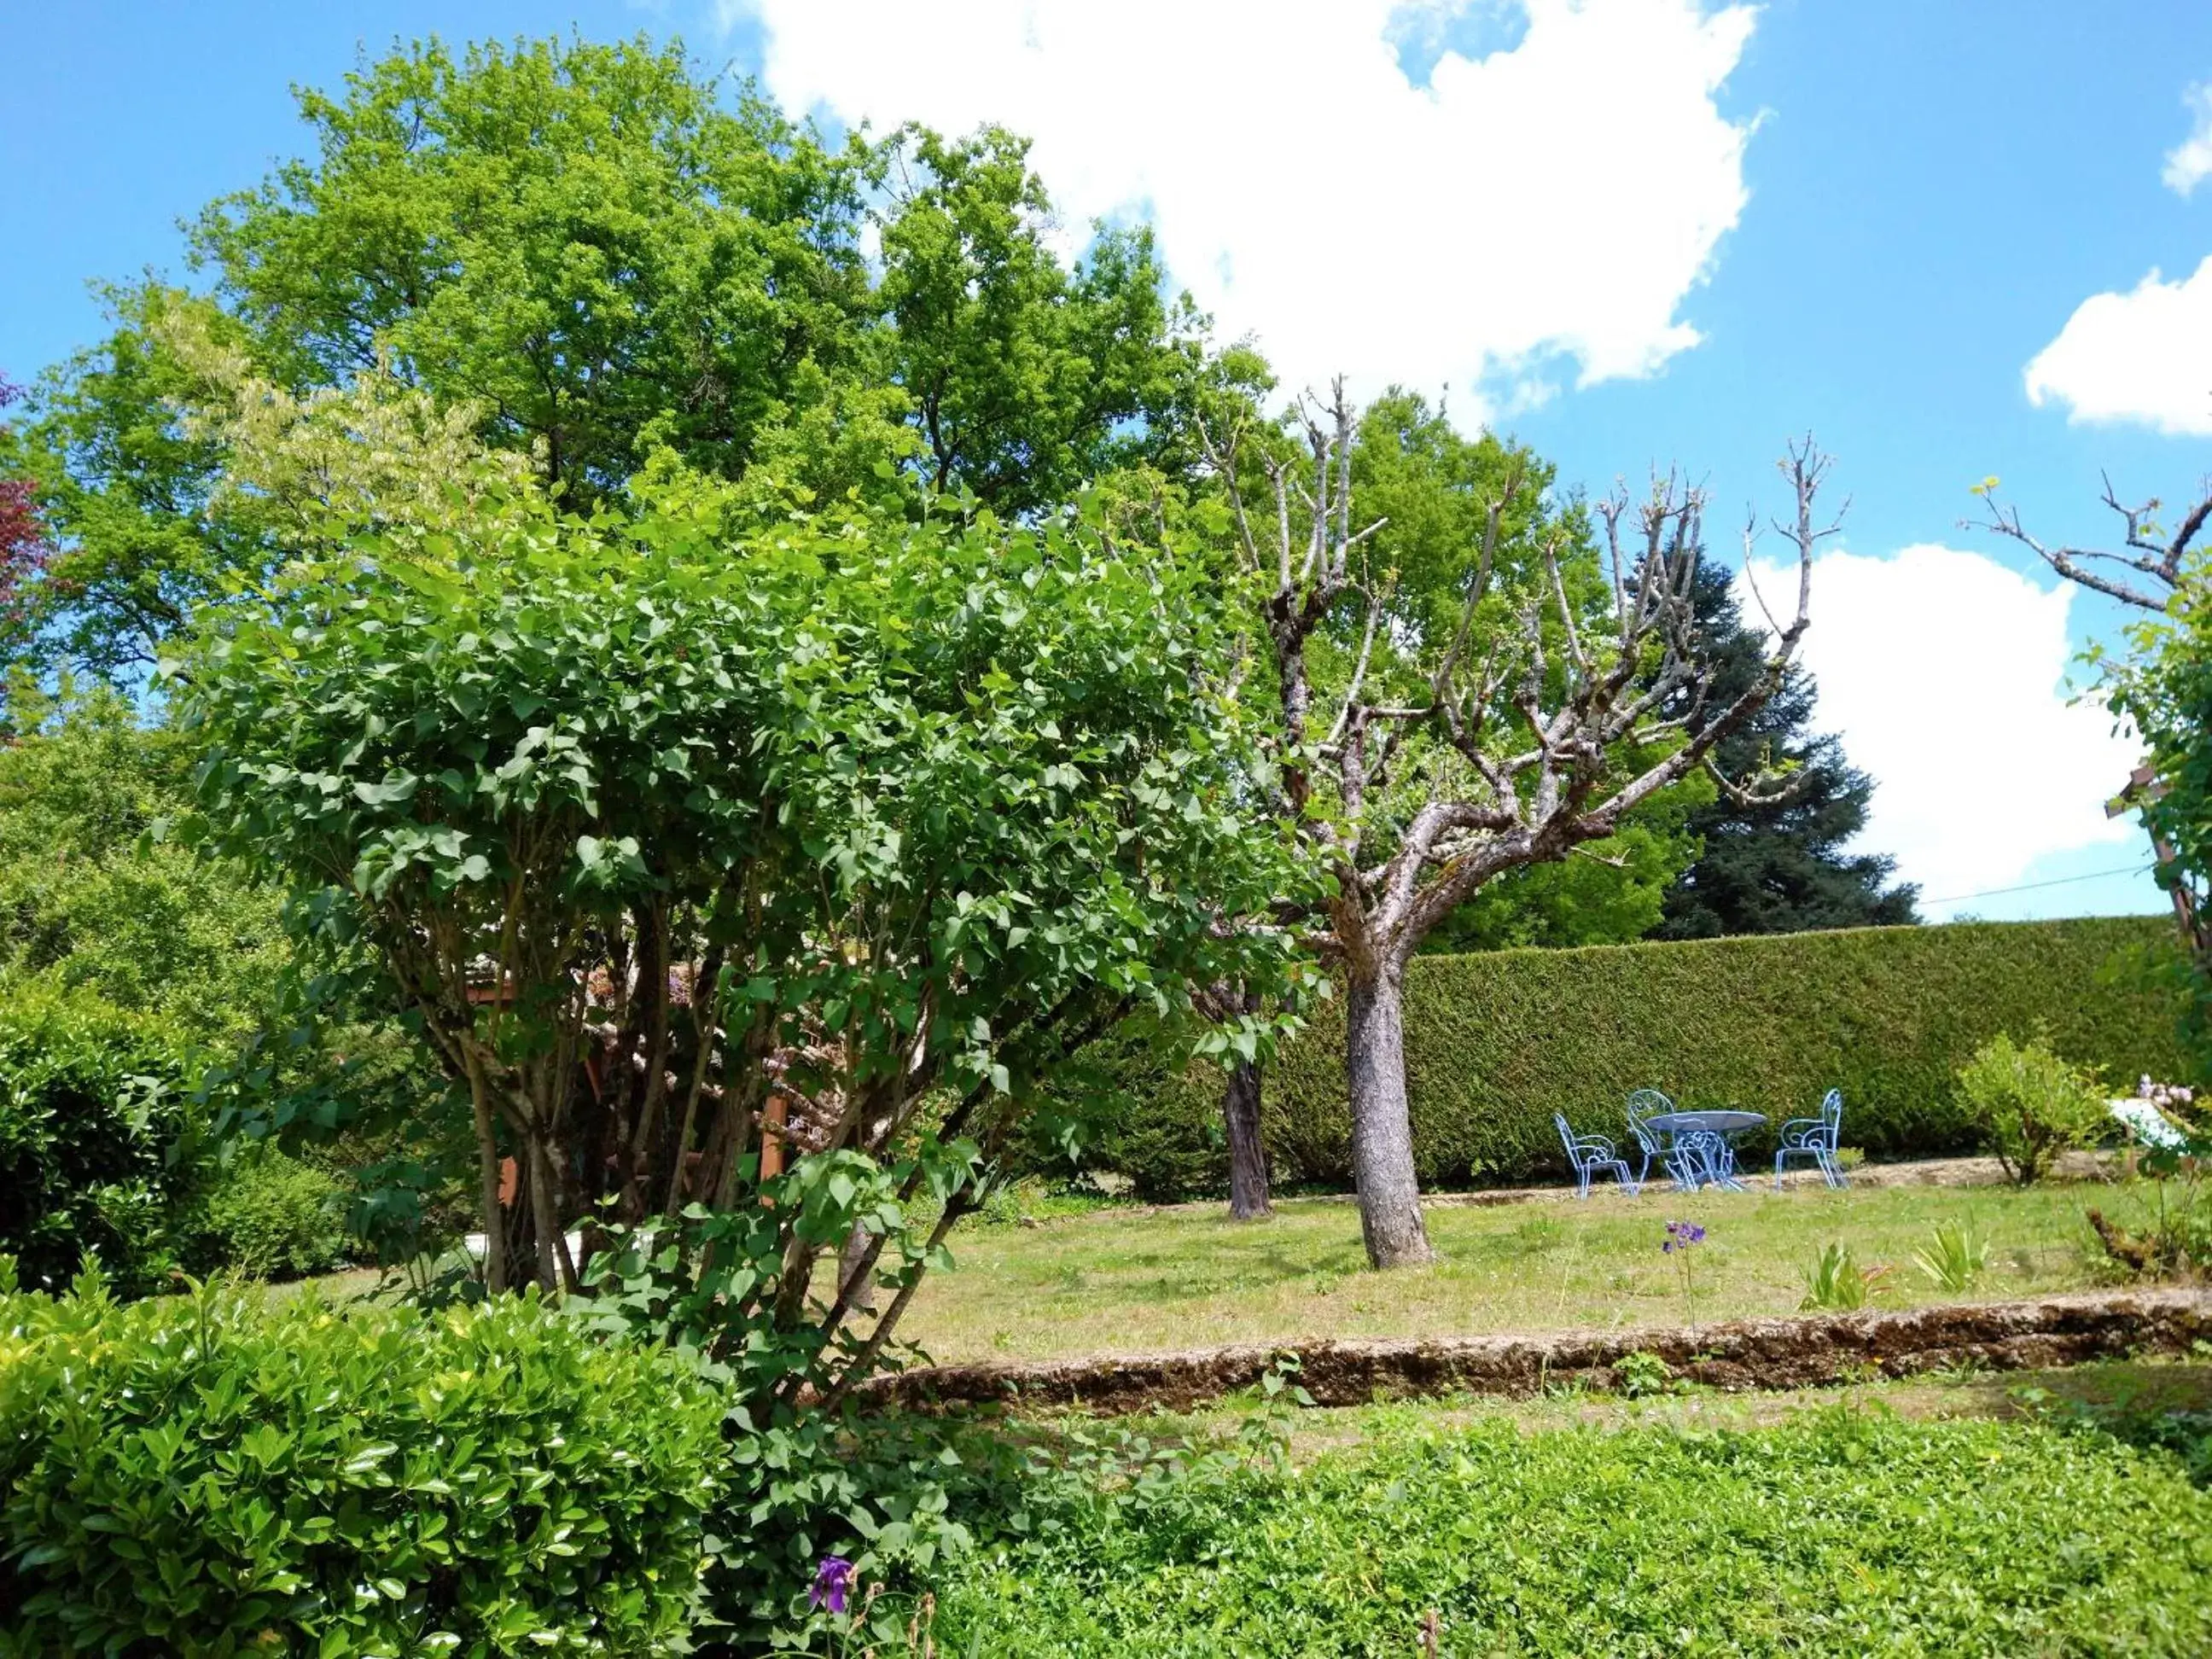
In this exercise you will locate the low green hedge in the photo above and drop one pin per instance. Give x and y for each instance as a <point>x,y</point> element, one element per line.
<point>1842,1531</point>
<point>1497,1043</point>
<point>210,1475</point>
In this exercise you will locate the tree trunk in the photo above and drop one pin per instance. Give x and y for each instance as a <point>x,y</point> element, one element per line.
<point>854,1258</point>
<point>1247,1154</point>
<point>494,1223</point>
<point>1381,1128</point>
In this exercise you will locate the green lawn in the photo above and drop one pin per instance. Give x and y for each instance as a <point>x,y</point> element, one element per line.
<point>1132,1280</point>
<point>1840,1529</point>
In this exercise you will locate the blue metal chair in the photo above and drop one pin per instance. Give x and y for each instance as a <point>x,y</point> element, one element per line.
<point>1682,1164</point>
<point>1816,1138</point>
<point>1588,1154</point>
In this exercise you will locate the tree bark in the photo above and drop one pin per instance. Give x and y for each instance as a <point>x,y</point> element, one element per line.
<point>1248,1153</point>
<point>494,1223</point>
<point>1382,1127</point>
<point>858,1258</point>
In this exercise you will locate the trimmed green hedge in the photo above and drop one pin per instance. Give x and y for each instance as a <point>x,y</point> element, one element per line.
<point>214,1474</point>
<point>1497,1043</point>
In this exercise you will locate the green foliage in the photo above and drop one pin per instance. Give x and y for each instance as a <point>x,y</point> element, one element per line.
<point>1641,1374</point>
<point>1839,1532</point>
<point>94,901</point>
<point>207,1474</point>
<point>2161,683</point>
<point>271,1216</point>
<point>1026,379</point>
<point>88,901</point>
<point>585,238</point>
<point>1610,893</point>
<point>1954,1260</point>
<point>2030,1104</point>
<point>127,491</point>
<point>100,1144</point>
<point>1836,1283</point>
<point>922,804</point>
<point>591,260</point>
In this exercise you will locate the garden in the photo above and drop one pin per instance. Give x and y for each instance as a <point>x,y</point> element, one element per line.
<point>697,847</point>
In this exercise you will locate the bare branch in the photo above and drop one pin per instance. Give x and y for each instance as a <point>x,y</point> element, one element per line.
<point>2161,562</point>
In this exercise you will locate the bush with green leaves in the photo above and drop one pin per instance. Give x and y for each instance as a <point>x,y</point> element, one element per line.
<point>2031,1105</point>
<point>640,814</point>
<point>1843,1531</point>
<point>92,899</point>
<point>1495,1042</point>
<point>269,1215</point>
<point>208,1474</point>
<point>102,1141</point>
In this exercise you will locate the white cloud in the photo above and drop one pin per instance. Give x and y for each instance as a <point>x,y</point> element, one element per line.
<point>2144,355</point>
<point>1943,672</point>
<point>2189,163</point>
<point>1561,198</point>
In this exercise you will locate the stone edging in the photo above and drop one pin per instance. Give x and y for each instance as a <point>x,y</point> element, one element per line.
<point>1809,1351</point>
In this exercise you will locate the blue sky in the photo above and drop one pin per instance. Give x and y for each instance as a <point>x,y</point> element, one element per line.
<point>1631,231</point>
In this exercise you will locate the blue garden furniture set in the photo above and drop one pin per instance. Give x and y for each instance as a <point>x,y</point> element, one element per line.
<point>1695,1148</point>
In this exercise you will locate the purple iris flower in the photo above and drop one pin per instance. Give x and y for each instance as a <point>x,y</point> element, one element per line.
<point>833,1580</point>
<point>1681,1235</point>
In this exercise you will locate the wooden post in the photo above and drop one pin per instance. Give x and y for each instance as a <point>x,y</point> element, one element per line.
<point>772,1118</point>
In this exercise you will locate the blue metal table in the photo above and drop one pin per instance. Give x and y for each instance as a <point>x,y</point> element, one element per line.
<point>1713,1130</point>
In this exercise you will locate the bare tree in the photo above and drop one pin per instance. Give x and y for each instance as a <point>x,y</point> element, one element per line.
<point>1519,741</point>
<point>2146,572</point>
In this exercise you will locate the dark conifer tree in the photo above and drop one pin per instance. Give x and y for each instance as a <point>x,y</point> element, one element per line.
<point>1778,869</point>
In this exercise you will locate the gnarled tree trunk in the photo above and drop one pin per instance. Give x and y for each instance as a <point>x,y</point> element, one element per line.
<point>1382,1129</point>
<point>1247,1154</point>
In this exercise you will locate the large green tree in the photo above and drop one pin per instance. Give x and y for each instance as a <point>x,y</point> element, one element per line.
<point>606,260</point>
<point>1026,377</point>
<point>1781,867</point>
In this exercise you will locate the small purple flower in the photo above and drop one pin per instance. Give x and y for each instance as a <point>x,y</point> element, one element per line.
<point>833,1581</point>
<point>1681,1235</point>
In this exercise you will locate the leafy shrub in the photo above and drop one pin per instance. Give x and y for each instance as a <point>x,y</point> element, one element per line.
<point>99,1142</point>
<point>271,1216</point>
<point>1839,1532</point>
<point>1497,1043</point>
<point>1953,1261</point>
<point>1139,1116</point>
<point>1642,1373</point>
<point>2030,1105</point>
<point>204,1474</point>
<point>1837,1284</point>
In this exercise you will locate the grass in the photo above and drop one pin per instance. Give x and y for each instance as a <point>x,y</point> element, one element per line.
<point>1131,1280</point>
<point>1843,1527</point>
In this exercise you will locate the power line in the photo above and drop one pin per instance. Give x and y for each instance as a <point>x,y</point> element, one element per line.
<point>2030,886</point>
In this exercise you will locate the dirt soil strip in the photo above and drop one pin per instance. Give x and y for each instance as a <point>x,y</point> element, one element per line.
<point>1811,1350</point>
